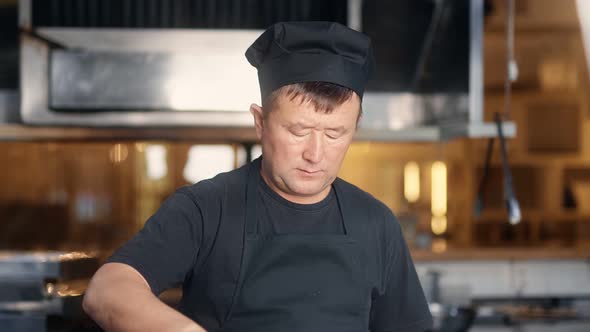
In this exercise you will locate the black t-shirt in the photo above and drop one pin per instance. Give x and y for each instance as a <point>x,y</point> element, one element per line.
<point>177,242</point>
<point>280,216</point>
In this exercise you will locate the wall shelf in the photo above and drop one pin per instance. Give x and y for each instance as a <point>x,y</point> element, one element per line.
<point>19,132</point>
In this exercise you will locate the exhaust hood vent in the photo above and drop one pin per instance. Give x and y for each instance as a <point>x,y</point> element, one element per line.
<point>201,14</point>
<point>8,47</point>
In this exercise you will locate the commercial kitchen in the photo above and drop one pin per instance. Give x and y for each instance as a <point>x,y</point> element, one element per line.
<point>475,132</point>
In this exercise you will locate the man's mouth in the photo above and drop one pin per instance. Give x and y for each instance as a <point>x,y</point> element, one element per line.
<point>308,171</point>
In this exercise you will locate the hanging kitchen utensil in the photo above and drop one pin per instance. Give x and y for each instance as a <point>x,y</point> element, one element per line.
<point>510,201</point>
<point>512,205</point>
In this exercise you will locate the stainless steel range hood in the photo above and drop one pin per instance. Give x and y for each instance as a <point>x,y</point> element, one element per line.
<point>122,77</point>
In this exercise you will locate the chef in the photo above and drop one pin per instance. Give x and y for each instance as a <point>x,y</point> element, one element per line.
<point>280,244</point>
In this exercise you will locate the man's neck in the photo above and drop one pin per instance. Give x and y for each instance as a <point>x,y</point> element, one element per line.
<point>294,198</point>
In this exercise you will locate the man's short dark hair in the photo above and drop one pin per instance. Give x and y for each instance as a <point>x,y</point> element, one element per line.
<point>324,96</point>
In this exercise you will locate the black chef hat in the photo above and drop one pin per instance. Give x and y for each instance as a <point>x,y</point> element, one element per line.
<point>296,52</point>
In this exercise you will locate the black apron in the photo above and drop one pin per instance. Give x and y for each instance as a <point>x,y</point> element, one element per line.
<point>300,282</point>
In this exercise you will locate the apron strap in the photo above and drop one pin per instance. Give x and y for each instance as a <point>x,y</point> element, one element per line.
<point>352,213</point>
<point>251,194</point>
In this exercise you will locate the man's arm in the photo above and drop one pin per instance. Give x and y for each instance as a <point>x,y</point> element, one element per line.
<point>402,305</point>
<point>118,298</point>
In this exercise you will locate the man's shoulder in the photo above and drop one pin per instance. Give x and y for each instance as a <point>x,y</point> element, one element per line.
<point>362,198</point>
<point>377,216</point>
<point>218,186</point>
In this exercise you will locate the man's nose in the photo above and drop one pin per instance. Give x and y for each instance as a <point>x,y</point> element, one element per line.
<point>314,148</point>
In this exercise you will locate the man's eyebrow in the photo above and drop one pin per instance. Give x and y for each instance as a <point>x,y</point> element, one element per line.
<point>301,125</point>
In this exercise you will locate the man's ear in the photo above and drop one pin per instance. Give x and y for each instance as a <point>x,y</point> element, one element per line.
<point>258,119</point>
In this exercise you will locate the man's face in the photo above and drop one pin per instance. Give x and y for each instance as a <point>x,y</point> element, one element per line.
<point>303,149</point>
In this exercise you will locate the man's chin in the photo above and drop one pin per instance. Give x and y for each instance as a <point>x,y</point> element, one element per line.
<point>307,192</point>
